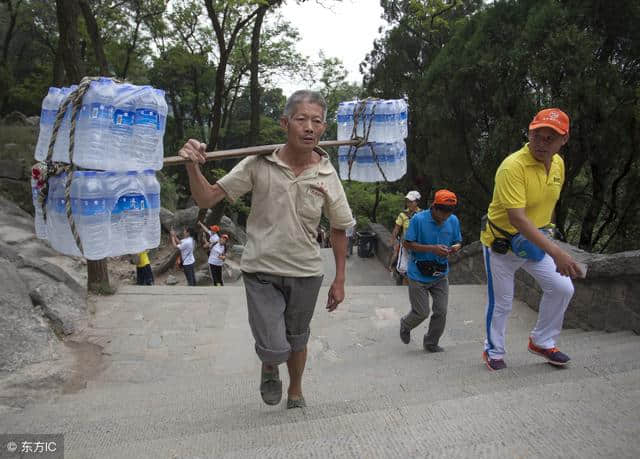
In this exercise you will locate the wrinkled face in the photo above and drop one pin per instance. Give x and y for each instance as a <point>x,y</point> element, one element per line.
<point>544,142</point>
<point>305,126</point>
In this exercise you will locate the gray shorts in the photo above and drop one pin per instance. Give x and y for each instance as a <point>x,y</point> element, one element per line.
<point>280,310</point>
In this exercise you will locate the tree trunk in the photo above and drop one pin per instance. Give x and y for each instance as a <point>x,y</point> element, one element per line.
<point>98,277</point>
<point>177,114</point>
<point>58,68</point>
<point>593,210</point>
<point>374,210</point>
<point>94,32</point>
<point>13,15</point>
<point>254,85</point>
<point>67,13</point>
<point>216,122</point>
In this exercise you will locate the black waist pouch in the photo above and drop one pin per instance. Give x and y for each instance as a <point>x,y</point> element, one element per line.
<point>431,268</point>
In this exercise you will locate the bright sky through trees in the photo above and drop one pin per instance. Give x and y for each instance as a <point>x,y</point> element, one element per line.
<point>345,30</point>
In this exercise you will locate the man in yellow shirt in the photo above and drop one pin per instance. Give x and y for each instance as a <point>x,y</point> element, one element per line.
<point>527,188</point>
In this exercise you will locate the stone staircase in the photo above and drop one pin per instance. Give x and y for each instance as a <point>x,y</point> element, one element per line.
<point>180,380</point>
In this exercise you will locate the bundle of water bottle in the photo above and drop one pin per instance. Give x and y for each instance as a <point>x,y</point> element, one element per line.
<point>384,124</point>
<point>115,206</point>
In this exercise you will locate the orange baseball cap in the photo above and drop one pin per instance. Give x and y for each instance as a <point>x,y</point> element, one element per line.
<point>215,228</point>
<point>445,198</point>
<point>553,118</point>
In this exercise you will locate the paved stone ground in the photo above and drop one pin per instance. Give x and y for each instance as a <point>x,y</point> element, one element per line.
<point>180,380</point>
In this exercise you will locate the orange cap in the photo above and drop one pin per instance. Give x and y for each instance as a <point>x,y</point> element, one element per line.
<point>445,198</point>
<point>553,118</point>
<point>215,228</point>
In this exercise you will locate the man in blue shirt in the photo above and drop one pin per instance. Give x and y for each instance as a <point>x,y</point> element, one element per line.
<point>432,236</point>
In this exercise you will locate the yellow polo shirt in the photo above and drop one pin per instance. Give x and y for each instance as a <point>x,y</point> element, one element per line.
<point>522,182</point>
<point>285,212</point>
<point>403,220</point>
<point>143,259</point>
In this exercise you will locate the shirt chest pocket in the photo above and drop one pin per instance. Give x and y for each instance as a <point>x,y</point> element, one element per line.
<point>309,204</point>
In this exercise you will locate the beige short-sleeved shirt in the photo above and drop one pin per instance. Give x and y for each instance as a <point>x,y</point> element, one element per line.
<point>285,212</point>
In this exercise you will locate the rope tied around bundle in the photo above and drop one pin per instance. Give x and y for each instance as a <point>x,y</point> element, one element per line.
<point>360,110</point>
<point>48,168</point>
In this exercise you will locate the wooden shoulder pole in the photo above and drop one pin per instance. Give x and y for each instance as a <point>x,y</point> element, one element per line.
<point>248,151</point>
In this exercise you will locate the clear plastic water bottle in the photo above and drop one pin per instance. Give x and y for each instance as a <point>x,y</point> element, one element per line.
<point>350,107</point>
<point>343,158</point>
<point>401,156</point>
<point>146,129</point>
<point>89,207</point>
<point>403,119</point>
<point>364,161</point>
<point>58,227</point>
<point>48,114</point>
<point>114,188</point>
<point>392,121</point>
<point>377,133</point>
<point>163,110</point>
<point>342,120</point>
<point>40,226</point>
<point>93,126</point>
<point>120,145</point>
<point>152,220</point>
<point>379,161</point>
<point>131,206</point>
<point>61,149</point>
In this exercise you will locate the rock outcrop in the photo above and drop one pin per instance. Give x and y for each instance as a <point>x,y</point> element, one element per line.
<point>40,302</point>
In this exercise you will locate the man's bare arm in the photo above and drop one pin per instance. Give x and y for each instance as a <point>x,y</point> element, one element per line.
<point>339,246</point>
<point>204,194</point>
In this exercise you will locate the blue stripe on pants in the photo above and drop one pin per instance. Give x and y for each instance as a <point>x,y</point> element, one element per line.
<point>492,300</point>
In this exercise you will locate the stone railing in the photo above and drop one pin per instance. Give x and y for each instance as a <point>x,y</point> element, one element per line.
<point>607,299</point>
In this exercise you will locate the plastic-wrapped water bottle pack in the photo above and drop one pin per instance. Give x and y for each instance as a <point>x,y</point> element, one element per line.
<point>116,205</point>
<point>385,156</point>
<point>119,127</point>
<point>115,213</point>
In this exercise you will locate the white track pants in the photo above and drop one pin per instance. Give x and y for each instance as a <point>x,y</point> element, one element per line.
<point>557,292</point>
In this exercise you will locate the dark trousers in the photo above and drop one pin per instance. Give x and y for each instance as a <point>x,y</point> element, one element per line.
<point>190,274</point>
<point>419,299</point>
<point>144,275</point>
<point>216,274</point>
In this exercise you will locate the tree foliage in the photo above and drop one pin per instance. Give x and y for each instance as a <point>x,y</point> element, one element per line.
<point>475,75</point>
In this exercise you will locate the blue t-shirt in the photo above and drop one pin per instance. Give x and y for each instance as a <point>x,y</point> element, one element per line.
<point>423,229</point>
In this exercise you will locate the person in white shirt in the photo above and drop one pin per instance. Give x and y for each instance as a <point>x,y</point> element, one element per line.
<point>186,247</point>
<point>216,259</point>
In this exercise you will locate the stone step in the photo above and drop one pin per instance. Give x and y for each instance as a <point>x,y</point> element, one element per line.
<point>235,404</point>
<point>561,420</point>
<point>396,361</point>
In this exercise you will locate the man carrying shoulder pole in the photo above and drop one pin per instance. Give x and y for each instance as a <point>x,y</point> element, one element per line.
<point>281,264</point>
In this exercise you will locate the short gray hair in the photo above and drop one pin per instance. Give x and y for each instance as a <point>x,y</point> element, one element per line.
<point>304,95</point>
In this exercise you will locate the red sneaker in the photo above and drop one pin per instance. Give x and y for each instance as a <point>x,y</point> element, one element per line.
<point>493,364</point>
<point>553,355</point>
